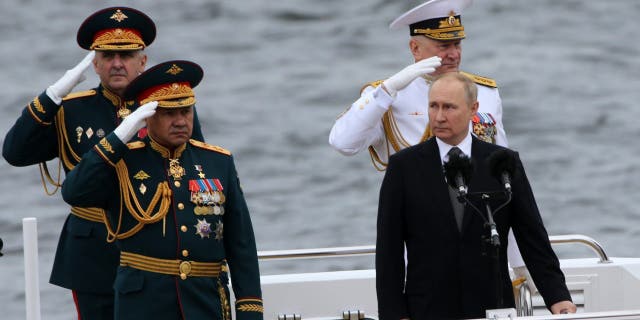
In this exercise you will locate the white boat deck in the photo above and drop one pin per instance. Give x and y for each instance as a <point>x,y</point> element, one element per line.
<point>602,288</point>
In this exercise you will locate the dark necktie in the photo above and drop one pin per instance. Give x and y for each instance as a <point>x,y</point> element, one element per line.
<point>458,208</point>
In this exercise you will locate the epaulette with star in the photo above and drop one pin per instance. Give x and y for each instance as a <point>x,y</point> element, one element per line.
<point>135,145</point>
<point>374,84</point>
<point>483,81</point>
<point>79,94</point>
<point>206,146</point>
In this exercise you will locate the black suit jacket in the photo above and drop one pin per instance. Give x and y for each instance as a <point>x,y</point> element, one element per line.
<point>449,272</point>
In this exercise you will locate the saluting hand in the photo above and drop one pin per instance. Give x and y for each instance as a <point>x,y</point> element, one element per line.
<point>70,79</point>
<point>135,121</point>
<point>401,79</point>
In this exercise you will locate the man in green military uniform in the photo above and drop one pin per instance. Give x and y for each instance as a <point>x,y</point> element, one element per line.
<point>61,124</point>
<point>175,207</point>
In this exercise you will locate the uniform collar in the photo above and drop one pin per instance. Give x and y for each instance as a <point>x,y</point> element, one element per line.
<point>165,152</point>
<point>464,145</point>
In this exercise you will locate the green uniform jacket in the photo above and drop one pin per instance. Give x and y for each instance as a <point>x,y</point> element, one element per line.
<point>141,173</point>
<point>84,261</point>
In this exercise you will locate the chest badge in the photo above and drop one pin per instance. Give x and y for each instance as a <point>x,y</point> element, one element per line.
<point>89,133</point>
<point>203,228</point>
<point>175,170</point>
<point>79,131</point>
<point>484,127</point>
<point>219,230</point>
<point>207,195</point>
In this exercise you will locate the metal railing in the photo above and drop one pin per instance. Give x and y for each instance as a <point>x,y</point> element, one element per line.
<point>371,249</point>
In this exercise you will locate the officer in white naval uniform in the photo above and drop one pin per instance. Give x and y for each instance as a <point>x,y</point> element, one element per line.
<point>391,114</point>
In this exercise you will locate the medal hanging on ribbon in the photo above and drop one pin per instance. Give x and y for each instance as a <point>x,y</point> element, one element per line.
<point>207,195</point>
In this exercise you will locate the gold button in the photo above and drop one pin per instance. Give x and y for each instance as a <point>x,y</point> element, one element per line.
<point>180,206</point>
<point>366,101</point>
<point>183,276</point>
<point>185,253</point>
<point>361,106</point>
<point>177,184</point>
<point>183,228</point>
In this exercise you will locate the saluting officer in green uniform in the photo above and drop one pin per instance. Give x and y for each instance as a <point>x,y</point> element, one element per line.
<point>61,124</point>
<point>175,207</point>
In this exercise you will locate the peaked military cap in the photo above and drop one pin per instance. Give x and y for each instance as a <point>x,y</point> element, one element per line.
<point>435,19</point>
<point>170,83</point>
<point>116,29</point>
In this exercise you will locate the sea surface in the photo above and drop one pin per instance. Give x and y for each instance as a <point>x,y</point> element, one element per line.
<point>278,73</point>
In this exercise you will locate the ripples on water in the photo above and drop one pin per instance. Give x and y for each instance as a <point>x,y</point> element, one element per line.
<point>278,73</point>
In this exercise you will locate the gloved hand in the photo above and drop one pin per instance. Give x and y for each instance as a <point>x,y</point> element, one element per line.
<point>70,79</point>
<point>135,121</point>
<point>523,272</point>
<point>401,79</point>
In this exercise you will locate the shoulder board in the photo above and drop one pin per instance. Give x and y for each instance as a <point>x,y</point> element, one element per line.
<point>374,84</point>
<point>210,147</point>
<point>135,145</point>
<point>79,94</point>
<point>487,82</point>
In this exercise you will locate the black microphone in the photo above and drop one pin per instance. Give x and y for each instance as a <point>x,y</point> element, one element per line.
<point>502,165</point>
<point>458,172</point>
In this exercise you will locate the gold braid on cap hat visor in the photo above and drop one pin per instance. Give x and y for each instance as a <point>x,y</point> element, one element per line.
<point>448,28</point>
<point>447,33</point>
<point>168,96</point>
<point>118,39</point>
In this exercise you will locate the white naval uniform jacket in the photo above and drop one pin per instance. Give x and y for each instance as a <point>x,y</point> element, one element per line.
<point>362,126</point>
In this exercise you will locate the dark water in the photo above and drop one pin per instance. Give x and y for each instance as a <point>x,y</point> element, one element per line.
<point>277,73</point>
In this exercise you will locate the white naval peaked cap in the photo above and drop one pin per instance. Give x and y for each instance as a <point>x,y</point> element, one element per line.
<point>436,19</point>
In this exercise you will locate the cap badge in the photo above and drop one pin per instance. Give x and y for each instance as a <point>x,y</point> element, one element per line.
<point>119,16</point>
<point>452,18</point>
<point>174,70</point>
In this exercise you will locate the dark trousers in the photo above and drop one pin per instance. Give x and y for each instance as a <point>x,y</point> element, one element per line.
<point>93,306</point>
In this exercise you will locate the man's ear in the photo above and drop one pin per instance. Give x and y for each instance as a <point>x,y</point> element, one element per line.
<point>414,47</point>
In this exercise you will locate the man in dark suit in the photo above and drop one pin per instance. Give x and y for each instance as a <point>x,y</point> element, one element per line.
<point>449,270</point>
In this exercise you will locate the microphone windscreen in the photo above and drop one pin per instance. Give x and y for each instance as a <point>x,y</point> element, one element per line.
<point>458,164</point>
<point>502,160</point>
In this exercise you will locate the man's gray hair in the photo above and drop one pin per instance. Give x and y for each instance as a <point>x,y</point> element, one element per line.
<point>470,88</point>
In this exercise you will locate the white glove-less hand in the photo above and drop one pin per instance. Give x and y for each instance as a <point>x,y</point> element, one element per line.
<point>401,79</point>
<point>70,79</point>
<point>135,121</point>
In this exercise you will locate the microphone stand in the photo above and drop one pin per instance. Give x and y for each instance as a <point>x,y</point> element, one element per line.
<point>493,239</point>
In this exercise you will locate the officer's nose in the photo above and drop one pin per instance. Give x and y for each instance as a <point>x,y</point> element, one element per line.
<point>117,61</point>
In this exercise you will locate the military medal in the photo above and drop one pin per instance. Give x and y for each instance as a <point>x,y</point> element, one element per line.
<point>89,133</point>
<point>199,169</point>
<point>175,170</point>
<point>203,210</point>
<point>484,127</point>
<point>100,133</point>
<point>219,230</point>
<point>207,195</point>
<point>79,133</point>
<point>123,112</point>
<point>203,229</point>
